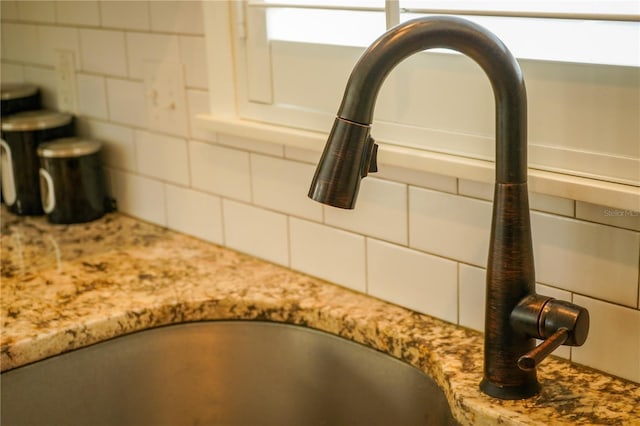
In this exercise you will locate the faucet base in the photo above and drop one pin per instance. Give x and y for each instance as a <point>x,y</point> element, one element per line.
<point>510,392</point>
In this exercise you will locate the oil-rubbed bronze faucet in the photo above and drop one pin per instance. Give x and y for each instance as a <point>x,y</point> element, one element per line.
<point>515,314</point>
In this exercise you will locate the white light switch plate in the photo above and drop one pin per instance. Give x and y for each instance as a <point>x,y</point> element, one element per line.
<point>165,97</point>
<point>66,80</point>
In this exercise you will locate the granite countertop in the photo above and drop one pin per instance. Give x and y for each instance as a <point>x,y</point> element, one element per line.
<point>65,287</point>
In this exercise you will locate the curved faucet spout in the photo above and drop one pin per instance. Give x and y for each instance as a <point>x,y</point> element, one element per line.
<point>463,36</point>
<point>513,310</point>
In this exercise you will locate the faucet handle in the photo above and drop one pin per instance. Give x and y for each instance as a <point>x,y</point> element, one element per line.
<point>531,359</point>
<point>555,321</point>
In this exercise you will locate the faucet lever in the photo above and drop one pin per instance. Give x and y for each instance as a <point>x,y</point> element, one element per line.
<point>555,321</point>
<point>530,360</point>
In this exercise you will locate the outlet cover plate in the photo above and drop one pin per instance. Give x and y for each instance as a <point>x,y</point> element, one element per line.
<point>165,97</point>
<point>65,76</point>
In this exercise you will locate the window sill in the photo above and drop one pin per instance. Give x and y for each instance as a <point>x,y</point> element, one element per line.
<point>610,194</point>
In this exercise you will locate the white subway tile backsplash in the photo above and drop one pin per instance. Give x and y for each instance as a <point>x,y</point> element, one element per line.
<point>418,178</point>
<point>54,38</point>
<point>139,196</point>
<point>92,96</point>
<point>381,211</point>
<point>193,56</point>
<point>11,73</point>
<point>142,47</point>
<point>84,12</point>
<point>194,213</point>
<point>131,14</point>
<point>586,258</point>
<point>162,157</point>
<point>551,204</point>
<point>177,16</point>
<point>419,281</point>
<point>20,43</point>
<point>103,51</point>
<point>629,219</point>
<point>475,189</point>
<point>261,233</point>
<point>472,296</point>
<point>220,170</point>
<point>45,79</point>
<point>613,344</point>
<point>9,9</point>
<point>39,10</point>
<point>251,145</point>
<point>304,155</point>
<point>198,103</point>
<point>282,185</point>
<point>126,102</point>
<point>328,253</point>
<point>554,292</point>
<point>449,225</point>
<point>119,149</point>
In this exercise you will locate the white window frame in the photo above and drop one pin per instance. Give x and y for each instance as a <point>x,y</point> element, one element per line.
<point>228,60</point>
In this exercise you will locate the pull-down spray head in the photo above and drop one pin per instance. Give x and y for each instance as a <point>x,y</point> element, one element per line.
<point>350,153</point>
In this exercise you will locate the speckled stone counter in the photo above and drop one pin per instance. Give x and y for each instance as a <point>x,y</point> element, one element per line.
<point>65,287</point>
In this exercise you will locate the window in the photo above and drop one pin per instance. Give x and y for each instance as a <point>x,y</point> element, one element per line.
<point>581,62</point>
<point>565,30</point>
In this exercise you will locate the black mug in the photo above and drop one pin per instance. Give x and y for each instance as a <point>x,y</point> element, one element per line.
<point>22,133</point>
<point>18,97</point>
<point>72,184</point>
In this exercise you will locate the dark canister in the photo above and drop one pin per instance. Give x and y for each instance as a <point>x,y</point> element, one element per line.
<point>72,182</point>
<point>22,133</point>
<point>18,97</point>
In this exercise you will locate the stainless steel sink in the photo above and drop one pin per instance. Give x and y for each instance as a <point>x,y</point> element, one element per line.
<point>222,373</point>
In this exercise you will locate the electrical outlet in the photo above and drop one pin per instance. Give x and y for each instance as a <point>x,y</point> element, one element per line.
<point>165,97</point>
<point>66,80</point>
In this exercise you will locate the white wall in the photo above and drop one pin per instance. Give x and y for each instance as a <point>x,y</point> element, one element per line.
<point>415,239</point>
